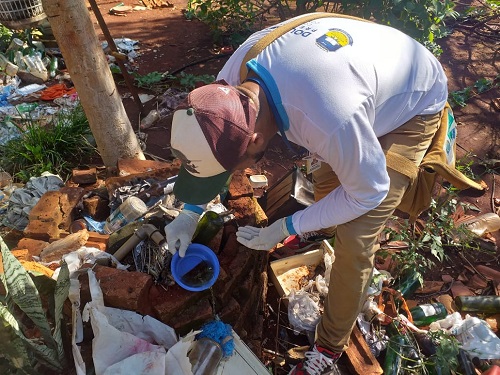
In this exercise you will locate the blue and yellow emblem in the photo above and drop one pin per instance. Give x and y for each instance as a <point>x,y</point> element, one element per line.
<point>334,39</point>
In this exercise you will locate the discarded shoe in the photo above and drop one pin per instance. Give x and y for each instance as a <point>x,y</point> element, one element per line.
<point>303,242</point>
<point>317,361</point>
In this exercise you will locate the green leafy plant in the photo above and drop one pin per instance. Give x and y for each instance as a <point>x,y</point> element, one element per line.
<point>461,97</point>
<point>56,146</point>
<point>149,80</point>
<point>233,18</point>
<point>447,347</point>
<point>434,234</point>
<point>22,311</point>
<point>190,81</point>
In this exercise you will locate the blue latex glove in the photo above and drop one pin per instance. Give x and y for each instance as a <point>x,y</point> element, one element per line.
<point>263,238</point>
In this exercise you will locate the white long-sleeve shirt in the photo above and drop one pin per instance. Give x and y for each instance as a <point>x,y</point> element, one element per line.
<point>338,85</point>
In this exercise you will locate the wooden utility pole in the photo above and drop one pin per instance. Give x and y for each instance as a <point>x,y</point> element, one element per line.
<point>86,62</point>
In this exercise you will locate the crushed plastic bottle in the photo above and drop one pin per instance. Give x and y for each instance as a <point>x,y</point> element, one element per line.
<point>480,225</point>
<point>148,121</point>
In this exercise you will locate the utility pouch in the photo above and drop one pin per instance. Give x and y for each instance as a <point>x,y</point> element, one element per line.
<point>438,160</point>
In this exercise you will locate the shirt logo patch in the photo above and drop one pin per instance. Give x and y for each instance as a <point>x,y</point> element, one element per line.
<point>334,39</point>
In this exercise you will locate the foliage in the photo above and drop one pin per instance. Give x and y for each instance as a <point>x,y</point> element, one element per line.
<point>56,146</point>
<point>189,81</point>
<point>434,234</point>
<point>149,80</point>
<point>233,18</point>
<point>22,306</point>
<point>424,20</point>
<point>482,85</point>
<point>447,347</point>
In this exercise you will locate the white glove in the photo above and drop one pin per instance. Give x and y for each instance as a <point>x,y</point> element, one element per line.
<point>263,238</point>
<point>180,231</point>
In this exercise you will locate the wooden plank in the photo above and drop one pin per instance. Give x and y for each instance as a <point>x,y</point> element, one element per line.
<point>361,359</point>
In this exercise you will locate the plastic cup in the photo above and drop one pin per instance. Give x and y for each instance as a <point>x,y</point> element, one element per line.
<point>197,270</point>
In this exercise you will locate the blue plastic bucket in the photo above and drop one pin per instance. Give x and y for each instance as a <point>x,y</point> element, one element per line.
<point>197,270</point>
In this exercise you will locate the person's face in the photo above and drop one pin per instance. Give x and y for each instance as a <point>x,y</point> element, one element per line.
<point>249,160</point>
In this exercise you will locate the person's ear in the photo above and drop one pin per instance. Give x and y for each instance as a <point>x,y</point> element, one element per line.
<point>257,142</point>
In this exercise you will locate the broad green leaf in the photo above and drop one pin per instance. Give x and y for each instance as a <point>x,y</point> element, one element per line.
<point>60,295</point>
<point>23,292</point>
<point>11,345</point>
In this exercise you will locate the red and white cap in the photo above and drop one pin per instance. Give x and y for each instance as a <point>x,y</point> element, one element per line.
<point>211,130</point>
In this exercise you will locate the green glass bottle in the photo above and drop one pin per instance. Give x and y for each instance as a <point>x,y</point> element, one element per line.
<point>425,314</point>
<point>209,225</point>
<point>394,355</point>
<point>408,283</point>
<point>478,304</point>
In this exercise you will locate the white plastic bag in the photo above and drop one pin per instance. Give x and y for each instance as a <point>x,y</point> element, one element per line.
<point>303,311</point>
<point>128,343</point>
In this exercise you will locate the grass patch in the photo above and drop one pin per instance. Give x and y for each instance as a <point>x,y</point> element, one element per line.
<point>56,146</point>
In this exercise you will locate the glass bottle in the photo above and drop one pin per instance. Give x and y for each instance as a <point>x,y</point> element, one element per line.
<point>478,304</point>
<point>408,283</point>
<point>425,314</point>
<point>209,225</point>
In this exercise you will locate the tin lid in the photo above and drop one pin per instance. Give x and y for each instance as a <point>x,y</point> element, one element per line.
<point>197,270</point>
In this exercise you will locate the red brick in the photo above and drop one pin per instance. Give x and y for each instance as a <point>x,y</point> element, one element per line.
<point>96,207</point>
<point>42,230</point>
<point>128,167</point>
<point>47,208</point>
<point>244,210</point>
<point>192,318</point>
<point>84,176</point>
<point>21,254</point>
<point>489,272</point>
<point>240,186</point>
<point>70,198</point>
<point>34,247</point>
<point>231,312</point>
<point>167,303</point>
<point>53,213</point>
<point>122,289</point>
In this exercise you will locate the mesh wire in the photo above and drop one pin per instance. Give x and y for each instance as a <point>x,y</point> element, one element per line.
<point>14,10</point>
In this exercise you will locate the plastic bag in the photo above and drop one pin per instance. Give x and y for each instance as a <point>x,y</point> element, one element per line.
<point>128,343</point>
<point>303,311</point>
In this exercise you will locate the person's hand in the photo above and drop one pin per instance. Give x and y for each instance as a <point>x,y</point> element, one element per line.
<point>263,238</point>
<point>180,231</point>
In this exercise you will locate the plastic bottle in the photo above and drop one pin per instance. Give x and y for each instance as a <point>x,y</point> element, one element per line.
<point>425,314</point>
<point>152,117</point>
<point>478,304</point>
<point>6,65</point>
<point>487,223</point>
<point>130,210</point>
<point>15,44</point>
<point>54,64</point>
<point>477,338</point>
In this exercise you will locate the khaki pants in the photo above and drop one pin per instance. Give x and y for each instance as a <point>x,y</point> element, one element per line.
<point>355,241</point>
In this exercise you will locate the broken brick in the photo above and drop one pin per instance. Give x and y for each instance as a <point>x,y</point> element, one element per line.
<point>121,289</point>
<point>240,186</point>
<point>33,246</point>
<point>84,176</point>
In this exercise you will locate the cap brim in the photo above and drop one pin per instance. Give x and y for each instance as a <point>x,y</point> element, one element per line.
<point>198,190</point>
